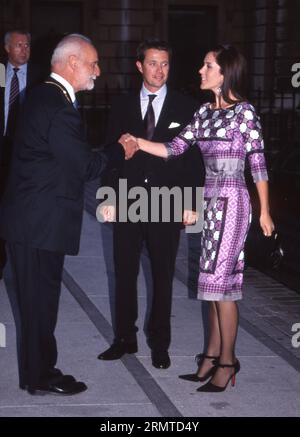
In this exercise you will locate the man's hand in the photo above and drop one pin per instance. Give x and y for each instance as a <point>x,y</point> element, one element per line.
<point>108,213</point>
<point>190,217</point>
<point>129,144</point>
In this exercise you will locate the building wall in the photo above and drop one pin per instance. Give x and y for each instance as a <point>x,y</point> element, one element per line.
<point>266,30</point>
<point>269,33</point>
<point>116,27</point>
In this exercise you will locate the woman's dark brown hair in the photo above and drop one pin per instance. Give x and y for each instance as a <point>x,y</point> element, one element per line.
<point>234,69</point>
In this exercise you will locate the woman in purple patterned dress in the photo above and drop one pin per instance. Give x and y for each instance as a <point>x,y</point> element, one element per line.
<point>227,132</point>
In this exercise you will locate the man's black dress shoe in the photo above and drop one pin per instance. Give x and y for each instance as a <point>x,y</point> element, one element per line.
<point>56,375</point>
<point>160,359</point>
<point>53,376</point>
<point>117,350</point>
<point>60,387</point>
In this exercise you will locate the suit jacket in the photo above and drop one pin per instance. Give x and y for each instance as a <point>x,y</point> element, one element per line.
<point>34,77</point>
<point>43,203</point>
<point>147,170</point>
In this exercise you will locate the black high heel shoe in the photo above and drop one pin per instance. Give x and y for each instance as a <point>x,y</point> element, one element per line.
<point>199,360</point>
<point>209,387</point>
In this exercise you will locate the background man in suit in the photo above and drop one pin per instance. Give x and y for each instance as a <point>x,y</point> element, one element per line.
<point>159,113</point>
<point>21,75</point>
<point>43,204</point>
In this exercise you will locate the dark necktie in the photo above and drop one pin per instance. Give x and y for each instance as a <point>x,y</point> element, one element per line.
<point>75,104</point>
<point>149,119</point>
<point>13,107</point>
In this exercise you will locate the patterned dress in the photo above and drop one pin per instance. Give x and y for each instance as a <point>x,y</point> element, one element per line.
<point>225,137</point>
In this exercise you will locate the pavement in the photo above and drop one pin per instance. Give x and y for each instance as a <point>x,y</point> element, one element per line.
<point>268,384</point>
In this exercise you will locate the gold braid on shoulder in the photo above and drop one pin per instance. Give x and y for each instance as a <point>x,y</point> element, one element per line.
<point>61,88</point>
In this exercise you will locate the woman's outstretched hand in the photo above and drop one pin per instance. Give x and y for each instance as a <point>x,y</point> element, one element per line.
<point>130,145</point>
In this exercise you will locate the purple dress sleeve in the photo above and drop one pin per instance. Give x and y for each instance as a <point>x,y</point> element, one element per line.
<point>185,139</point>
<point>251,132</point>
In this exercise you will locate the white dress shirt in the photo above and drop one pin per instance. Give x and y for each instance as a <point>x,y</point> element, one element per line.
<point>157,103</point>
<point>65,84</point>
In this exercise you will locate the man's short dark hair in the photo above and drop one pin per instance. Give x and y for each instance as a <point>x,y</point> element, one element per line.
<point>152,43</point>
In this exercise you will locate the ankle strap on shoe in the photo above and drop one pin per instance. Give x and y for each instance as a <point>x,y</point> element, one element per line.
<point>199,357</point>
<point>236,365</point>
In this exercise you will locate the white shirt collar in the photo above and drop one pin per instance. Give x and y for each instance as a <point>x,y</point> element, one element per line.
<point>66,84</point>
<point>161,93</point>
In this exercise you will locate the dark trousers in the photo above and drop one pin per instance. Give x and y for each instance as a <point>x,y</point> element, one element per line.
<point>3,177</point>
<point>6,144</point>
<point>37,282</point>
<point>2,256</point>
<point>162,244</point>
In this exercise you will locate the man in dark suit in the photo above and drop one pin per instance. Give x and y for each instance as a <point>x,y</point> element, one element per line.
<point>21,76</point>
<point>43,204</point>
<point>159,113</point>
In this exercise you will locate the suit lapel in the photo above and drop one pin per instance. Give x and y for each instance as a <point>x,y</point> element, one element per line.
<point>137,107</point>
<point>31,77</point>
<point>166,114</point>
<point>2,97</point>
<point>136,114</point>
<point>28,78</point>
<point>2,90</point>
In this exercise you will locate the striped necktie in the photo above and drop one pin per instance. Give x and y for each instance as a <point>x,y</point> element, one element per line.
<point>13,107</point>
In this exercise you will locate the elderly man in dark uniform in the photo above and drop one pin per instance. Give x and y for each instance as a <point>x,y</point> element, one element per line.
<point>43,205</point>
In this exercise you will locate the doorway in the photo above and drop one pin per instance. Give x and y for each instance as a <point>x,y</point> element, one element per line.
<point>192,32</point>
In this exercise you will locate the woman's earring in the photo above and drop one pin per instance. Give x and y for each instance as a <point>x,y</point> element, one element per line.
<point>219,91</point>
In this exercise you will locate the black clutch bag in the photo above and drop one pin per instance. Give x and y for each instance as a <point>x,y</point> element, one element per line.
<point>274,252</point>
<point>264,252</point>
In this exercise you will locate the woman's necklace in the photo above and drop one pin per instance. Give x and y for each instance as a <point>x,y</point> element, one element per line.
<point>227,106</point>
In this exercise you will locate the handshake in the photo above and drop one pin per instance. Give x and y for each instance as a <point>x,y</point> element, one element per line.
<point>130,145</point>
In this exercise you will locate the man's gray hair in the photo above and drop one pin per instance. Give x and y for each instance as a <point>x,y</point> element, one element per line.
<point>69,45</point>
<point>7,36</point>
